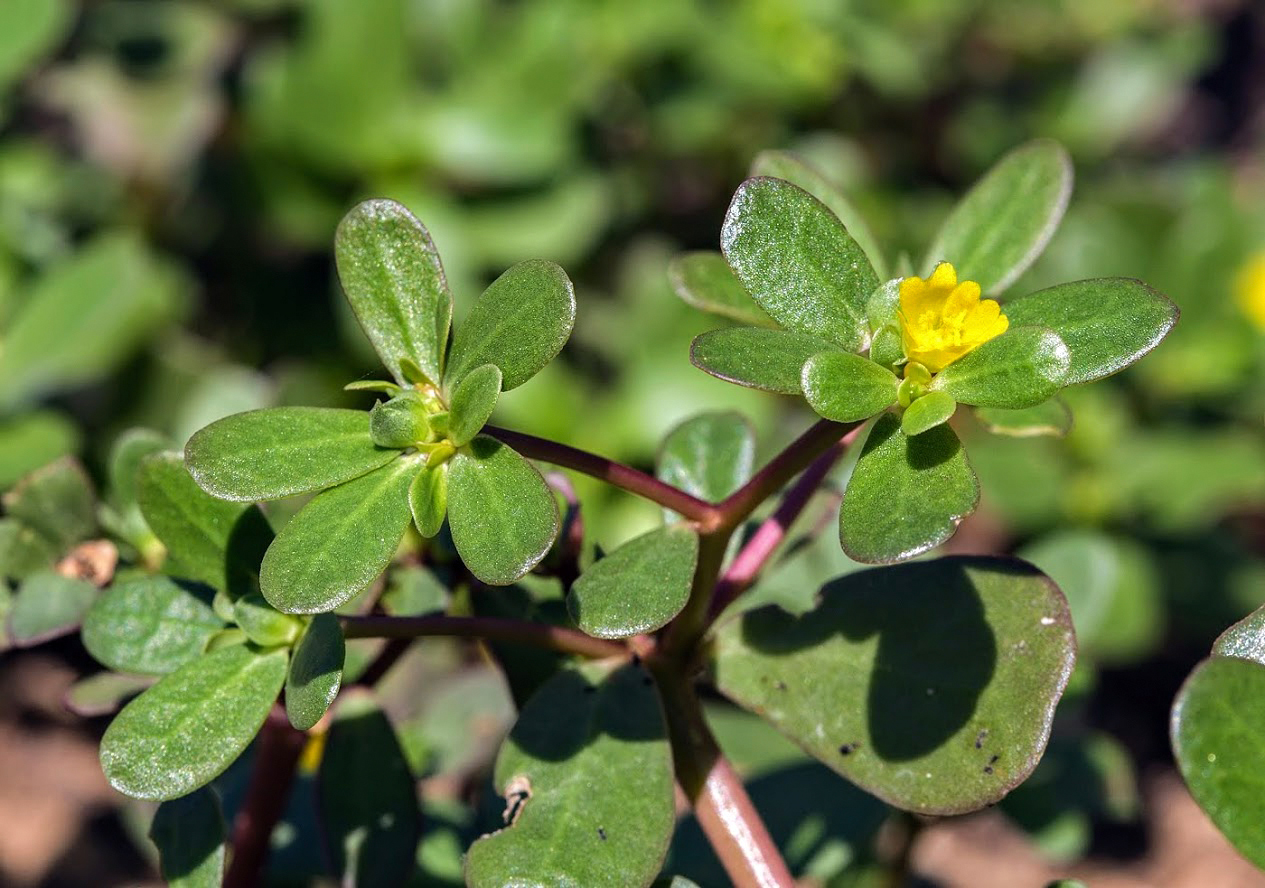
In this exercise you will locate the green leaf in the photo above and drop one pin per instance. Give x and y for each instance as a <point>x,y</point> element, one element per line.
<point>886,347</point>
<point>784,165</point>
<point>755,357</point>
<point>1051,418</point>
<point>639,587</point>
<point>709,455</point>
<point>400,422</point>
<point>473,403</point>
<point>520,323</point>
<point>184,731</point>
<point>190,835</point>
<point>23,551</point>
<point>368,802</point>
<point>1107,323</point>
<point>104,693</point>
<point>316,671</point>
<point>931,685</point>
<point>33,439</point>
<point>502,515</point>
<point>262,624</point>
<point>48,605</point>
<point>150,624</point>
<point>929,411</point>
<point>57,501</point>
<point>210,540</point>
<point>1218,733</point>
<point>1021,368</point>
<point>582,730</point>
<point>847,388</point>
<point>392,276</point>
<point>126,455</point>
<point>1004,222</point>
<point>1245,639</point>
<point>28,32</point>
<point>340,542</point>
<point>798,261</point>
<point>277,452</point>
<point>705,281</point>
<point>428,499</point>
<point>882,309</point>
<point>414,592</point>
<point>906,495</point>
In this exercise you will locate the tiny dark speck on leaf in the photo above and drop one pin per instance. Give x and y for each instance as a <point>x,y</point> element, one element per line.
<point>980,737</point>
<point>781,685</point>
<point>601,834</point>
<point>993,760</point>
<point>848,748</point>
<point>988,769</point>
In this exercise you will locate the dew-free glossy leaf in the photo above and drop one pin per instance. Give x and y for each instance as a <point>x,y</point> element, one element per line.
<point>57,501</point>
<point>22,550</point>
<point>710,455</point>
<point>392,276</point>
<point>846,387</point>
<point>339,542</point>
<point>103,693</point>
<point>1021,368</point>
<point>367,799</point>
<point>428,499</point>
<point>705,281</point>
<point>755,357</point>
<point>906,495</point>
<point>1050,418</point>
<point>1004,222</point>
<point>638,587</point>
<point>47,605</point>
<point>262,624</point>
<point>274,453</point>
<point>520,323</point>
<point>150,624</point>
<point>587,772</point>
<point>316,671</point>
<point>1245,639</point>
<point>32,439</point>
<point>473,403</point>
<point>927,412</point>
<point>1218,734</point>
<point>1107,323</point>
<point>502,514</point>
<point>798,261</point>
<point>190,835</point>
<point>931,685</point>
<point>784,165</point>
<point>184,731</point>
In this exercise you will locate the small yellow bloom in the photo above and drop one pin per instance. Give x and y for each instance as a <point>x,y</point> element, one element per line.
<point>941,320</point>
<point>1249,289</point>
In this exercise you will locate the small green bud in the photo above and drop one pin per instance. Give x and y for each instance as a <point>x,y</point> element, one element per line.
<point>263,624</point>
<point>400,422</point>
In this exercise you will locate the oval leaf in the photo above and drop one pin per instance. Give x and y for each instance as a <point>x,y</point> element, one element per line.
<point>184,731</point>
<point>931,685</point>
<point>798,261</point>
<point>391,273</point>
<point>710,455</point>
<point>705,281</point>
<point>1107,323</point>
<point>48,605</point>
<point>316,671</point>
<point>757,358</point>
<point>1004,222</point>
<point>929,411</point>
<point>502,515</point>
<point>103,693</point>
<point>473,403</point>
<point>1245,639</point>
<point>847,388</point>
<point>639,587</point>
<point>339,542</point>
<point>520,323</point>
<point>189,833</point>
<point>582,730</point>
<point>1050,418</point>
<point>150,625</point>
<point>1021,368</point>
<point>277,452</point>
<point>262,624</point>
<point>428,499</point>
<point>906,495</point>
<point>57,501</point>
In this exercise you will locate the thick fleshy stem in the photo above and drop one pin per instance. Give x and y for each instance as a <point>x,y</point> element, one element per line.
<point>556,638</point>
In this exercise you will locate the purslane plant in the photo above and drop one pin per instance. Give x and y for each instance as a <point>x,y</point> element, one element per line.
<point>931,684</point>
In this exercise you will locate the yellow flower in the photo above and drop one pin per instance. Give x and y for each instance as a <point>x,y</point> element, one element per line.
<point>941,320</point>
<point>1249,289</point>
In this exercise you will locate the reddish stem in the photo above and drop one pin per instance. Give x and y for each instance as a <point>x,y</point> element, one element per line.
<point>556,638</point>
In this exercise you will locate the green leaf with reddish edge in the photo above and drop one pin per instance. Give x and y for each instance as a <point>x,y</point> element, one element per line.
<point>846,387</point>
<point>57,501</point>
<point>103,693</point>
<point>1218,735</point>
<point>798,261</point>
<point>210,540</point>
<point>709,455</point>
<point>1021,368</point>
<point>184,731</point>
<point>784,165</point>
<point>502,515</point>
<point>1107,323</point>
<point>1245,639</point>
<point>392,276</point>
<point>520,323</point>
<point>931,685</point>
<point>638,587</point>
<point>150,624</point>
<point>1004,222</point>
<point>906,495</point>
<point>280,451</point>
<point>23,551</point>
<point>591,748</point>
<point>190,835</point>
<point>46,606</point>
<point>929,411</point>
<point>367,799</point>
<point>428,499</point>
<point>1050,418</point>
<point>473,403</point>
<point>705,281</point>
<point>756,357</point>
<point>340,542</point>
<point>316,671</point>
